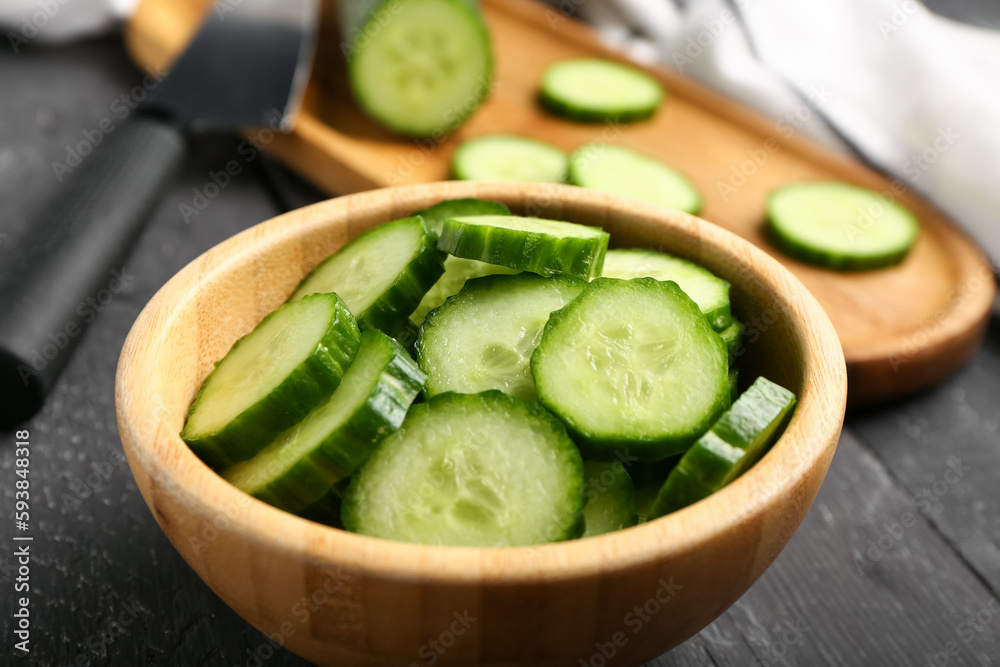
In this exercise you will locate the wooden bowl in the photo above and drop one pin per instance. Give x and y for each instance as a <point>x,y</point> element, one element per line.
<point>342,599</point>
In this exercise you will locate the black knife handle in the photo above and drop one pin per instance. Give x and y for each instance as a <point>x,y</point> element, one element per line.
<point>69,265</point>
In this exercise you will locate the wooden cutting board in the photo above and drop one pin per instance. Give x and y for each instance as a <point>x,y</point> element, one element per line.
<point>902,328</point>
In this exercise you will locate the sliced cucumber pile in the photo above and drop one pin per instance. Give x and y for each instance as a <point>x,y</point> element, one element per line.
<point>545,247</point>
<point>592,90</point>
<point>381,275</point>
<point>840,226</point>
<point>622,171</point>
<point>725,452</point>
<point>632,364</point>
<point>302,465</point>
<point>610,498</point>
<point>419,67</point>
<point>710,292</point>
<point>508,158</point>
<point>271,378</point>
<point>477,470</point>
<point>482,338</point>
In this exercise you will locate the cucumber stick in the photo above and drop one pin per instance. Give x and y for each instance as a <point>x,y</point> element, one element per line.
<point>483,337</point>
<point>508,158</point>
<point>729,448</point>
<point>381,275</point>
<point>271,378</point>
<point>610,498</point>
<point>303,464</point>
<point>632,365</point>
<point>478,470</point>
<point>545,247</point>
<point>595,90</point>
<point>419,67</point>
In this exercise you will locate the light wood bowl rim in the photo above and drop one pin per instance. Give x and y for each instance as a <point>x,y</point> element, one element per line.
<point>808,441</point>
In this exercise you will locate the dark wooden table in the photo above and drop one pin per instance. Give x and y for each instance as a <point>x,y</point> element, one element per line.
<point>897,563</point>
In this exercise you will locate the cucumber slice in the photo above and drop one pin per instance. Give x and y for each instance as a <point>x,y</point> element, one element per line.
<point>507,158</point>
<point>731,336</point>
<point>592,90</point>
<point>647,479</point>
<point>734,384</point>
<point>435,216</point>
<point>271,378</point>
<point>710,292</point>
<point>610,498</point>
<point>545,247</point>
<point>482,338</point>
<point>840,226</point>
<point>621,171</point>
<point>301,467</point>
<point>632,365</point>
<point>381,275</point>
<point>419,67</point>
<point>477,470</point>
<point>734,443</point>
<point>326,510</point>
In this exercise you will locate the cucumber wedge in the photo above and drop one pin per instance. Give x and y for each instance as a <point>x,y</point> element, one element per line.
<point>632,365</point>
<point>301,467</point>
<point>610,498</point>
<point>483,337</point>
<point>435,216</point>
<point>710,292</point>
<point>621,171</point>
<point>271,378</point>
<point>476,470</point>
<point>592,90</point>
<point>734,443</point>
<point>545,247</point>
<point>732,336</point>
<point>508,158</point>
<point>419,67</point>
<point>840,226</point>
<point>381,275</point>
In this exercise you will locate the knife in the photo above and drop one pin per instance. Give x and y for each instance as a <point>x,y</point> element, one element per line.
<point>246,68</point>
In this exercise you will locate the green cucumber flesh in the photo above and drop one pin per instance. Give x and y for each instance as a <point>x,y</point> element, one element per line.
<point>508,158</point>
<point>632,364</point>
<point>595,90</point>
<point>545,247</point>
<point>734,384</point>
<point>733,444</point>
<point>840,226</point>
<point>477,470</point>
<point>271,378</point>
<point>435,216</point>
<point>610,498</point>
<point>732,336</point>
<point>483,337</point>
<point>710,292</point>
<point>305,462</point>
<point>647,479</point>
<point>381,275</point>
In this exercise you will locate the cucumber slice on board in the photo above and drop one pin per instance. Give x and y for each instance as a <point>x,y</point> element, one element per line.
<point>622,171</point>
<point>305,462</point>
<point>418,67</point>
<point>632,365</point>
<point>381,275</point>
<point>729,448</point>
<point>840,226</point>
<point>592,90</point>
<point>435,216</point>
<point>710,292</point>
<point>477,470</point>
<point>545,247</point>
<point>508,158</point>
<point>610,498</point>
<point>482,338</point>
<point>271,378</point>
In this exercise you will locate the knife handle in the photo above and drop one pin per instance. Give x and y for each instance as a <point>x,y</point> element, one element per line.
<point>69,265</point>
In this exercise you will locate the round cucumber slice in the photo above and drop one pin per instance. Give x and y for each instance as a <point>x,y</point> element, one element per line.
<point>482,338</point>
<point>271,378</point>
<point>507,158</point>
<point>734,443</point>
<point>610,498</point>
<point>710,292</point>
<point>621,171</point>
<point>840,226</point>
<point>632,365</point>
<point>381,275</point>
<point>545,247</point>
<point>475,470</point>
<point>304,463</point>
<point>592,90</point>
